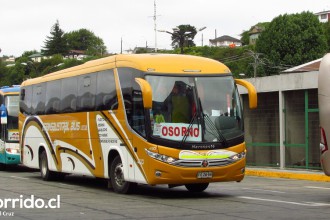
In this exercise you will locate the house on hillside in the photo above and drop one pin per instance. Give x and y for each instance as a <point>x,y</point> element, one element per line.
<point>37,57</point>
<point>323,16</point>
<point>76,54</point>
<point>254,33</point>
<point>225,41</point>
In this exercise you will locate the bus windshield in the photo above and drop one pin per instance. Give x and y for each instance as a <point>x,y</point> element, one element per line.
<point>195,109</point>
<point>11,103</point>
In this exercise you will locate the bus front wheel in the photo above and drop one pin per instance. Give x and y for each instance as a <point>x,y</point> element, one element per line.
<point>197,187</point>
<point>117,178</point>
<point>46,174</point>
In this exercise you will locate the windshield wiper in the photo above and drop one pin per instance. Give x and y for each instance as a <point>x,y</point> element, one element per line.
<point>191,123</point>
<point>213,128</point>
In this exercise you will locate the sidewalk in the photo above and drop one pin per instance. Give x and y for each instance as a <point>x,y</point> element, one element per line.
<point>313,175</point>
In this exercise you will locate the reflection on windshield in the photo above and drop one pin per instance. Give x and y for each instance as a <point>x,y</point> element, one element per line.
<point>11,102</point>
<point>213,101</point>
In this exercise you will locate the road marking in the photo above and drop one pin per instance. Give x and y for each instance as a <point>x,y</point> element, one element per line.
<point>311,204</point>
<point>263,190</point>
<point>316,187</point>
<point>18,177</point>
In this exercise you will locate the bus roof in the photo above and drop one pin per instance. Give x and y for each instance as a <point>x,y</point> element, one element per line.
<point>153,63</point>
<point>7,90</point>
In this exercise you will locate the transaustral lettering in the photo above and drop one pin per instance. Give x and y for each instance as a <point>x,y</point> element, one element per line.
<point>203,146</point>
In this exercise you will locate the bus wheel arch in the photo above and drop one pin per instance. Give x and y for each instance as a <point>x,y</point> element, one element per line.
<point>116,174</point>
<point>45,173</point>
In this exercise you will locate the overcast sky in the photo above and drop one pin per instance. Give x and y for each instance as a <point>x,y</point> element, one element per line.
<point>24,25</point>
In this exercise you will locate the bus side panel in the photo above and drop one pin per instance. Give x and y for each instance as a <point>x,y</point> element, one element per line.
<point>324,107</point>
<point>76,143</point>
<point>324,103</point>
<point>32,139</point>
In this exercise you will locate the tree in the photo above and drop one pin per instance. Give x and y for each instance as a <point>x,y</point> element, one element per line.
<point>245,37</point>
<point>291,40</point>
<point>86,40</point>
<point>55,43</point>
<point>29,53</point>
<point>183,36</point>
<point>326,27</point>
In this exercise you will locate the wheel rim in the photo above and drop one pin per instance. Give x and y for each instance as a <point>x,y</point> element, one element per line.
<point>119,175</point>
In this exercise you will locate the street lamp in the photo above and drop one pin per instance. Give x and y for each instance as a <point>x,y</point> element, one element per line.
<point>199,30</point>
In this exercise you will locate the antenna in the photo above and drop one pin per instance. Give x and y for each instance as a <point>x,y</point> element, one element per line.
<point>155,25</point>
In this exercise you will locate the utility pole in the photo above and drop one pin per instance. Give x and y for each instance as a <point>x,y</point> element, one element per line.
<point>155,25</point>
<point>256,63</point>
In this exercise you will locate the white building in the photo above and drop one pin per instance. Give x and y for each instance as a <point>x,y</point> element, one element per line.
<point>284,129</point>
<point>225,41</point>
<point>323,16</point>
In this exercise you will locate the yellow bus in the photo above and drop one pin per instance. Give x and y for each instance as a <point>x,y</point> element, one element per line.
<point>136,119</point>
<point>324,107</point>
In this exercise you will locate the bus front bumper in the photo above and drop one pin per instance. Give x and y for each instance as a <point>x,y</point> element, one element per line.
<point>163,173</point>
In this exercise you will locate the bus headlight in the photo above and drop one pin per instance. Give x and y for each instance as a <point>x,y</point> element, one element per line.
<point>13,151</point>
<point>161,157</point>
<point>238,156</point>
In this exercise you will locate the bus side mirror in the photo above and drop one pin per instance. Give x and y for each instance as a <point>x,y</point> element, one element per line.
<point>251,91</point>
<point>146,92</point>
<point>3,114</point>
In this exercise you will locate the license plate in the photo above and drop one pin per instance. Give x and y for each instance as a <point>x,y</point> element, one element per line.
<point>204,175</point>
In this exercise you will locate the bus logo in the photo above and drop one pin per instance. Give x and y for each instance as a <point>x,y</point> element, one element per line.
<point>205,163</point>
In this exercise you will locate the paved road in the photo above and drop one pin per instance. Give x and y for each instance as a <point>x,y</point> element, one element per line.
<point>86,198</point>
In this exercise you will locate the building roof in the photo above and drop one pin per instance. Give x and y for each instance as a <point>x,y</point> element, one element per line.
<point>322,12</point>
<point>225,38</point>
<point>306,67</point>
<point>36,55</point>
<point>76,52</point>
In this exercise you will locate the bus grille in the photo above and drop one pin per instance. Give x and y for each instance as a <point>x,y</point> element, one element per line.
<point>199,163</point>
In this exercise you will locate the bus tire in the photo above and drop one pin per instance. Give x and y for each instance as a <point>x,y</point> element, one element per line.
<point>118,182</point>
<point>46,174</point>
<point>2,166</point>
<point>197,187</point>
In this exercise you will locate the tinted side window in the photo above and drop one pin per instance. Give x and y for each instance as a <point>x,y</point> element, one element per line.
<point>38,99</point>
<point>86,92</point>
<point>69,95</point>
<point>53,95</point>
<point>106,91</point>
<point>26,100</point>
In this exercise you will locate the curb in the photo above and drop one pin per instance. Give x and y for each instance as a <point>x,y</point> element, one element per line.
<point>287,174</point>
